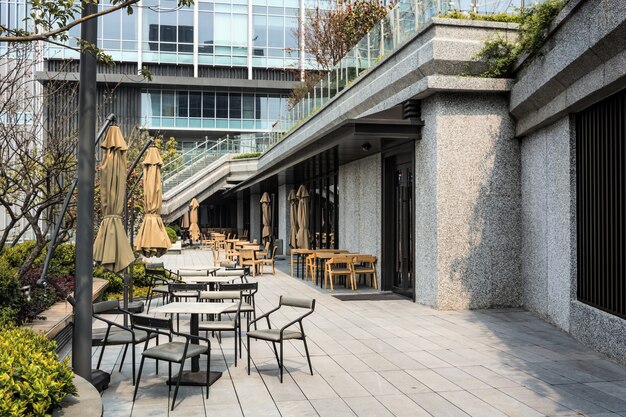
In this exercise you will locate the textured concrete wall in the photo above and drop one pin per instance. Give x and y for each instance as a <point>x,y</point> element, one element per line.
<point>360,211</point>
<point>284,225</point>
<point>467,204</point>
<point>548,223</point>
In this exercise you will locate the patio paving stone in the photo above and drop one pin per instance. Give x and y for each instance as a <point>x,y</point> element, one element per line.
<point>383,358</point>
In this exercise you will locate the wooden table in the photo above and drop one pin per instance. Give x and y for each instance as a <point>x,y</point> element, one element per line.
<point>323,255</point>
<point>195,376</point>
<point>298,253</point>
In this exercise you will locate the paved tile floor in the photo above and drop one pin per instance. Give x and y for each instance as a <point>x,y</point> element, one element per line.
<point>387,358</point>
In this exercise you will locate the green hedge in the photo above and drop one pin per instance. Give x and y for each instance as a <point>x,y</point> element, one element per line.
<point>171,233</point>
<point>32,379</point>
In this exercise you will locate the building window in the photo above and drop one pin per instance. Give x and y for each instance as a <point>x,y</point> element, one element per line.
<point>601,204</point>
<point>211,109</point>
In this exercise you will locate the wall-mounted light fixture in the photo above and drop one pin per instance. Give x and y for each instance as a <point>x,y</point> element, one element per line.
<point>366,146</point>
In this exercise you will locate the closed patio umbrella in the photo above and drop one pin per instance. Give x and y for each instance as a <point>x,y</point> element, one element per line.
<point>303,217</point>
<point>152,240</point>
<point>112,248</point>
<point>194,230</point>
<point>293,219</point>
<point>267,217</point>
<point>184,224</point>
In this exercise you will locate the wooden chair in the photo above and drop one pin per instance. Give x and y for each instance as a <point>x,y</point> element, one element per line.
<point>247,258</point>
<point>310,266</point>
<point>365,265</point>
<point>340,265</point>
<point>269,261</point>
<point>265,254</point>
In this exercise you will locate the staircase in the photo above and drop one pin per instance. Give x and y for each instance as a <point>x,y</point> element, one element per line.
<point>208,168</point>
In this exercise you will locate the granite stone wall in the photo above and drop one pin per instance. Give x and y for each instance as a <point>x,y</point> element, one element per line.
<point>548,222</point>
<point>468,235</point>
<point>360,211</point>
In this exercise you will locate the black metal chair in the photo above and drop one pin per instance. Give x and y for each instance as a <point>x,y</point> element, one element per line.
<point>172,351</point>
<point>122,335</point>
<point>248,305</point>
<point>160,278</point>
<point>279,335</point>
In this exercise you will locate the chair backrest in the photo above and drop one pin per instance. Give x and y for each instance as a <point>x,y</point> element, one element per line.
<point>155,272</point>
<point>155,265</point>
<point>179,286</point>
<point>364,259</point>
<point>248,287</point>
<point>193,272</point>
<point>297,302</point>
<point>220,295</point>
<point>104,306</point>
<point>273,253</point>
<point>339,259</point>
<point>148,322</point>
<point>246,254</point>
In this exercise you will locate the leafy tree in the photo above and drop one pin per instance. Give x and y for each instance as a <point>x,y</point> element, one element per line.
<point>329,34</point>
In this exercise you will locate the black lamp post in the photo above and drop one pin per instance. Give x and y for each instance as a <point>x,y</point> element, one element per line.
<point>81,340</point>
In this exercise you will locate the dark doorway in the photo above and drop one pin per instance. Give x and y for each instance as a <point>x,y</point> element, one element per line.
<point>398,223</point>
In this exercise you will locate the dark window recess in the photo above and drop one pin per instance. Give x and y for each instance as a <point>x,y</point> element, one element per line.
<point>601,204</point>
<point>208,105</point>
<point>222,105</point>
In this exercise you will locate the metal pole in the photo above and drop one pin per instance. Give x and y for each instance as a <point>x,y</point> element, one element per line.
<point>81,340</point>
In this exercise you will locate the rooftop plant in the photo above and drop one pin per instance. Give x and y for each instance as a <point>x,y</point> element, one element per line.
<point>501,54</point>
<point>33,381</point>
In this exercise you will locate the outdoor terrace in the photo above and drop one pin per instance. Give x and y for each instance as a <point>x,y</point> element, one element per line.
<point>387,358</point>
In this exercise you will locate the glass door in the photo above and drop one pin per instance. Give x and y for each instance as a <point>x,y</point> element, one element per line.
<point>398,225</point>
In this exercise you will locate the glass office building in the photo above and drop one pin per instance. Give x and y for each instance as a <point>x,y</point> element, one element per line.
<point>219,67</point>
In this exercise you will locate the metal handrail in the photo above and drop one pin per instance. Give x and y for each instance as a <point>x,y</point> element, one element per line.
<point>183,154</point>
<point>189,163</point>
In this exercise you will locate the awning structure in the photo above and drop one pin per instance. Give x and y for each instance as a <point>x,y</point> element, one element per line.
<point>350,140</point>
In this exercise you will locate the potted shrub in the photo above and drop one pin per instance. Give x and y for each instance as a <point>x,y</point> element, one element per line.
<point>33,381</point>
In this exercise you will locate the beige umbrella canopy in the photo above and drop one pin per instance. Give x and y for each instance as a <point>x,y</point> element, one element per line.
<point>267,216</point>
<point>152,240</point>
<point>112,248</point>
<point>293,219</point>
<point>184,224</point>
<point>194,230</point>
<point>303,217</point>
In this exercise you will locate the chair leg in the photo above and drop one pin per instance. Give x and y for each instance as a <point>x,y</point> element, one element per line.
<point>280,365</point>
<point>248,337</point>
<point>308,357</point>
<point>208,371</point>
<point>180,375</point>
<point>101,354</point>
<point>123,357</point>
<point>235,346</point>
<point>143,358</point>
<point>133,353</point>
<point>276,353</point>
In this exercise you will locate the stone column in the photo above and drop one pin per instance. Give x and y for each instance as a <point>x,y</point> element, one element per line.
<point>255,217</point>
<point>467,204</point>
<point>284,225</point>
<point>240,220</point>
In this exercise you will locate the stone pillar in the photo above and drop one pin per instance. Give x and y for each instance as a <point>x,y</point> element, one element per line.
<point>467,204</point>
<point>255,217</point>
<point>284,226</point>
<point>240,220</point>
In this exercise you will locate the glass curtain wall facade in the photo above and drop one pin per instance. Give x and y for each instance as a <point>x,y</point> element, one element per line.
<point>210,109</point>
<point>212,32</point>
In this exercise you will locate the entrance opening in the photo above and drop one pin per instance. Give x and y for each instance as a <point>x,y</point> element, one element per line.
<point>398,224</point>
